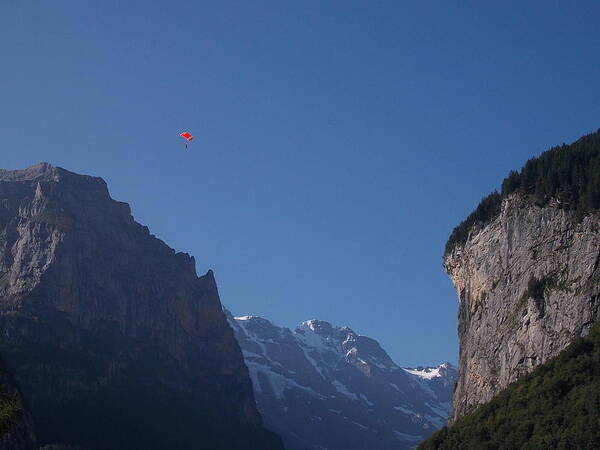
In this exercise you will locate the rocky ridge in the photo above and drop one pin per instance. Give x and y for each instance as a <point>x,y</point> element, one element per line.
<point>113,338</point>
<point>326,387</point>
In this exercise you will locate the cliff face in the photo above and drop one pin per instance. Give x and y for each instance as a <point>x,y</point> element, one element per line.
<point>528,283</point>
<point>555,406</point>
<point>115,341</point>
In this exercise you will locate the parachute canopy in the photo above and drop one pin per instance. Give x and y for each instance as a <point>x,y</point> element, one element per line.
<point>187,136</point>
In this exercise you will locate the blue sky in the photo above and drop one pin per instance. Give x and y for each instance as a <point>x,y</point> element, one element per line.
<point>337,143</point>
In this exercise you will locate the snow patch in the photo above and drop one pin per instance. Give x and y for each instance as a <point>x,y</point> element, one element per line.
<point>366,400</point>
<point>407,437</point>
<point>405,410</point>
<point>279,383</point>
<point>427,373</point>
<point>360,425</point>
<point>342,389</point>
<point>437,422</point>
<point>439,409</point>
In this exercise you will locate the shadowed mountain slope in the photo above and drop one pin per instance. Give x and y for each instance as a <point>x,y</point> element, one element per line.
<point>114,339</point>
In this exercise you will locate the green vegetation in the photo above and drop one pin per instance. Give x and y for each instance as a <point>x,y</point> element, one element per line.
<point>536,289</point>
<point>556,406</point>
<point>569,174</point>
<point>9,407</point>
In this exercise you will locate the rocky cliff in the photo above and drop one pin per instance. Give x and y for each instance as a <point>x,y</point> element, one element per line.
<point>114,339</point>
<point>553,407</point>
<point>321,386</point>
<point>527,275</point>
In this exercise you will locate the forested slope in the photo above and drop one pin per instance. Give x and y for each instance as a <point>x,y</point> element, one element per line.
<point>568,174</point>
<point>555,406</point>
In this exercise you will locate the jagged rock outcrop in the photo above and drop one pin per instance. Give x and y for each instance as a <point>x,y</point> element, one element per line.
<point>113,338</point>
<point>16,427</point>
<point>325,387</point>
<point>528,283</point>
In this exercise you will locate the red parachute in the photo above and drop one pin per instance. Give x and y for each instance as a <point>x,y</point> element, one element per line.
<point>187,136</point>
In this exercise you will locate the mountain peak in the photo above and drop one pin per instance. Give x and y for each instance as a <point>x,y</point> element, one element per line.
<point>40,170</point>
<point>323,328</point>
<point>75,185</point>
<point>317,326</point>
<point>254,319</point>
<point>322,386</point>
<point>86,285</point>
<point>429,373</point>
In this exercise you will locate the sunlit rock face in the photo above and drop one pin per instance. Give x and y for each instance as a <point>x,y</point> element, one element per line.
<point>528,283</point>
<point>114,339</point>
<point>321,386</point>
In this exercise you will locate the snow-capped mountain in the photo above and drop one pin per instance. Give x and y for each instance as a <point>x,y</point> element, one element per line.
<point>327,388</point>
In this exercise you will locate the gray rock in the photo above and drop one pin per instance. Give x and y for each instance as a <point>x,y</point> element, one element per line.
<point>114,339</point>
<point>528,283</point>
<point>321,386</point>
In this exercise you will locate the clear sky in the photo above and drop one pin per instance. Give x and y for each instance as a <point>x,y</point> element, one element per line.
<point>337,142</point>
